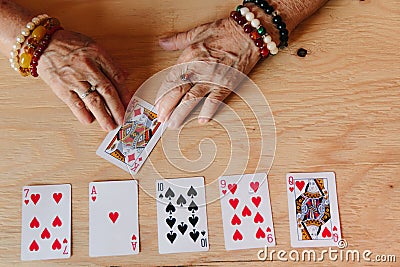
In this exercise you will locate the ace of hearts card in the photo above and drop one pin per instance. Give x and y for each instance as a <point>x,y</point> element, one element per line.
<point>313,209</point>
<point>181,215</point>
<point>246,211</point>
<point>129,145</point>
<point>46,222</point>
<point>113,218</point>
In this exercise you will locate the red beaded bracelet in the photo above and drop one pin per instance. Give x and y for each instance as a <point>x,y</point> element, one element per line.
<point>44,43</point>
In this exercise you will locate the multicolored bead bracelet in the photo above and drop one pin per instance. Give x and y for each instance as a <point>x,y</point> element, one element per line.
<point>256,31</point>
<point>25,32</point>
<point>276,20</point>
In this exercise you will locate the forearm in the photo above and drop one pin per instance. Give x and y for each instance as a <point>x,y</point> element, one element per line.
<point>293,12</point>
<point>12,19</point>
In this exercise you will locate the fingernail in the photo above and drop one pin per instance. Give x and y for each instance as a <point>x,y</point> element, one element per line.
<point>203,121</point>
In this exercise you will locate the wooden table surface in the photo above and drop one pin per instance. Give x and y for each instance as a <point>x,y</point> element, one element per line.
<point>335,110</point>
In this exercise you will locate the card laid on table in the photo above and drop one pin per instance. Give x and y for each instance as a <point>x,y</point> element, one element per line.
<point>181,215</point>
<point>46,222</point>
<point>113,218</point>
<point>246,211</point>
<point>313,209</point>
<point>129,145</point>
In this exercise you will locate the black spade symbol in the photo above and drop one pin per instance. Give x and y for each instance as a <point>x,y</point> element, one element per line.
<point>192,192</point>
<point>193,220</point>
<point>182,228</point>
<point>171,237</point>
<point>170,222</point>
<point>170,208</point>
<point>194,235</point>
<point>193,206</point>
<point>181,201</point>
<point>169,194</point>
<point>161,196</point>
<point>203,233</point>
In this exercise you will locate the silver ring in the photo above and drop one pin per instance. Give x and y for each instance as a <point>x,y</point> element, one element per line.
<point>185,77</point>
<point>88,92</point>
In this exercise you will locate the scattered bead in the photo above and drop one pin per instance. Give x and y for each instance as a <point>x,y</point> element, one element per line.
<point>301,52</point>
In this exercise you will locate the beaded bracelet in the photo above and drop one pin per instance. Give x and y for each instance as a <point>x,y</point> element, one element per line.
<point>276,20</point>
<point>257,32</point>
<point>25,32</point>
<point>44,43</point>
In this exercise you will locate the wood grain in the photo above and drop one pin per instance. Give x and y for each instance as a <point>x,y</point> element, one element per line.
<point>335,110</point>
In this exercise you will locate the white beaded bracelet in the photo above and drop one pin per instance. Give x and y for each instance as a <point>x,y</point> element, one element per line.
<point>25,32</point>
<point>255,23</point>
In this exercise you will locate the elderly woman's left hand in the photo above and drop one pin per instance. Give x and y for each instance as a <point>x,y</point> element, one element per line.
<point>224,42</point>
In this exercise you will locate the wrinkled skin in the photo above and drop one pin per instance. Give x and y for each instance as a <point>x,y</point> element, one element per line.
<point>222,42</point>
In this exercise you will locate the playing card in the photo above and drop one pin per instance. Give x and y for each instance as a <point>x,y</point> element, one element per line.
<point>246,211</point>
<point>181,214</point>
<point>113,218</point>
<point>313,209</point>
<point>129,145</point>
<point>46,222</point>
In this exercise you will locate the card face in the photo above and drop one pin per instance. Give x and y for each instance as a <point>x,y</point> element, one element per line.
<point>246,211</point>
<point>113,218</point>
<point>129,145</point>
<point>313,209</point>
<point>46,222</point>
<point>181,215</point>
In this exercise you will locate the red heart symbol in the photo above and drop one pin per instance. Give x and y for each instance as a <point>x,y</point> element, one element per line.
<point>134,237</point>
<point>291,189</point>
<point>256,201</point>
<point>334,228</point>
<point>236,220</point>
<point>232,188</point>
<point>260,233</point>
<point>45,234</point>
<point>268,230</point>
<point>56,245</point>
<point>300,185</point>
<point>57,197</point>
<point>326,233</point>
<point>94,198</point>
<point>258,218</point>
<point>234,202</point>
<point>56,222</point>
<point>246,211</point>
<point>26,201</point>
<point>224,191</point>
<point>113,216</point>
<point>35,198</point>
<point>237,236</point>
<point>255,186</point>
<point>34,246</point>
<point>65,241</point>
<point>34,223</point>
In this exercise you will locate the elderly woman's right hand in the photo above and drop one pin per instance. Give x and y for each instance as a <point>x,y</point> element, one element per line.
<point>71,66</point>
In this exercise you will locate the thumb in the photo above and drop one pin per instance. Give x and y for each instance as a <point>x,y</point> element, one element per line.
<point>182,40</point>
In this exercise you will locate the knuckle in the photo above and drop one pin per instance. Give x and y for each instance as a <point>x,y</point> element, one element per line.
<point>108,90</point>
<point>79,105</point>
<point>94,100</point>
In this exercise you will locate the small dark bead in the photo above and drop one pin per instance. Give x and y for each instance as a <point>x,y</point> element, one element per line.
<point>257,2</point>
<point>277,19</point>
<point>259,43</point>
<point>302,52</point>
<point>281,25</point>
<point>246,1</point>
<point>284,32</point>
<point>40,49</point>
<point>34,60</point>
<point>263,5</point>
<point>284,39</point>
<point>34,64</point>
<point>242,20</point>
<point>248,28</point>
<point>234,15</point>
<point>238,8</point>
<point>283,45</point>
<point>264,52</point>
<point>261,30</point>
<point>44,42</point>
<point>269,10</point>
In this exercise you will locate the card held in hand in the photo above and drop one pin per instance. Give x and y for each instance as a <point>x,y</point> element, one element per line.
<point>181,215</point>
<point>46,222</point>
<point>113,218</point>
<point>246,211</point>
<point>313,209</point>
<point>129,145</point>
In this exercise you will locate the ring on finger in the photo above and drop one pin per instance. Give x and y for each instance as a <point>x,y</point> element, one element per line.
<point>185,77</point>
<point>88,92</point>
